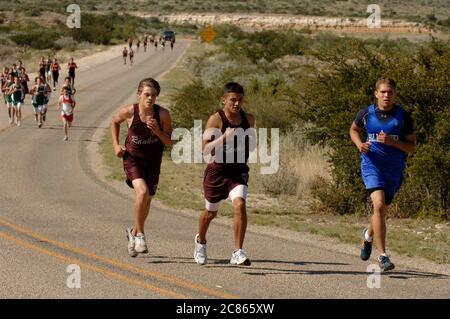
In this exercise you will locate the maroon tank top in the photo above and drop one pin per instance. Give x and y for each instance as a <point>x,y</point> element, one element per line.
<point>234,165</point>
<point>141,143</point>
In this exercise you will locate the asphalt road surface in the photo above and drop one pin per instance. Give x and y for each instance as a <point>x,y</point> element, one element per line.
<point>56,213</point>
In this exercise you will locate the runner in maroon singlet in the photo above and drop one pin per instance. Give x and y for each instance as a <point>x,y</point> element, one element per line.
<point>149,129</point>
<point>227,177</point>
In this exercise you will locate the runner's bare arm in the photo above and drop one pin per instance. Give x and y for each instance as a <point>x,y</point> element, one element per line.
<point>252,135</point>
<point>356,138</point>
<point>124,114</point>
<point>251,120</point>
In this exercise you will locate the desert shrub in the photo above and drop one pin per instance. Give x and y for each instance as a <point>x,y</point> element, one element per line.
<point>38,39</point>
<point>194,101</point>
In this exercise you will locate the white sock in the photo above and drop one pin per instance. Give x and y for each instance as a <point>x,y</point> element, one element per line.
<point>367,237</point>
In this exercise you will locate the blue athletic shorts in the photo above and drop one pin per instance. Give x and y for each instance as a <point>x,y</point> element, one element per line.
<point>377,179</point>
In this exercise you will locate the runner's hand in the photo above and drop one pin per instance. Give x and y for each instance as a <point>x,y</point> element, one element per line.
<point>119,150</point>
<point>153,126</point>
<point>384,138</point>
<point>364,147</point>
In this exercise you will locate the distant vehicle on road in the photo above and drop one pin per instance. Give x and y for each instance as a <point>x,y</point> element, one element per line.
<point>168,36</point>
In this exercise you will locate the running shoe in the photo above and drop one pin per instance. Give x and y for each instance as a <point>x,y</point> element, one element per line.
<point>131,243</point>
<point>366,249</point>
<point>66,138</point>
<point>385,263</point>
<point>240,258</point>
<point>140,245</point>
<point>200,252</point>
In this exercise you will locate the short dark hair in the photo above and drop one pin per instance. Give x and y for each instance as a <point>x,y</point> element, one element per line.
<point>233,87</point>
<point>150,82</point>
<point>385,80</point>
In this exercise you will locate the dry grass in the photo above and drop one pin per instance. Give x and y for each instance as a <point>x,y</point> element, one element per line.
<point>300,165</point>
<point>308,165</point>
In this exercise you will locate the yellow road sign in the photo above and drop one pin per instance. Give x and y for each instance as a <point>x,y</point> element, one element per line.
<point>208,34</point>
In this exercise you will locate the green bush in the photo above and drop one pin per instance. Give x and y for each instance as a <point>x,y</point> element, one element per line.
<point>265,98</point>
<point>38,39</point>
<point>33,12</point>
<point>102,28</point>
<point>267,45</point>
<point>194,102</point>
<point>445,23</point>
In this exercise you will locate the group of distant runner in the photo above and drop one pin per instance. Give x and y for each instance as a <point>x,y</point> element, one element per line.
<point>14,86</point>
<point>128,53</point>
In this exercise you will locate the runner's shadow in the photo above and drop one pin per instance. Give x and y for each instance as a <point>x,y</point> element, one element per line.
<point>260,271</point>
<point>408,274</point>
<point>167,259</point>
<point>300,263</point>
<point>49,127</point>
<point>84,128</point>
<point>255,270</point>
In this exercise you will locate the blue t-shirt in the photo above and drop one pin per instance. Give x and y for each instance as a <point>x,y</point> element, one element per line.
<point>408,127</point>
<point>396,123</point>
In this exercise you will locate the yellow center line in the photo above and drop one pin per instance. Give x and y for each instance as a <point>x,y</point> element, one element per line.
<point>104,272</point>
<point>122,265</point>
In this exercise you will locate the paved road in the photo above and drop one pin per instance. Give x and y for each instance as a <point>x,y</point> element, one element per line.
<point>56,212</point>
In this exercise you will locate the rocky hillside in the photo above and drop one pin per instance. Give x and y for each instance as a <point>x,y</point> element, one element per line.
<point>264,22</point>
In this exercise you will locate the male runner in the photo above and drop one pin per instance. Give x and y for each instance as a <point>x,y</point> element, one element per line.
<point>225,177</point>
<point>149,129</point>
<point>390,136</point>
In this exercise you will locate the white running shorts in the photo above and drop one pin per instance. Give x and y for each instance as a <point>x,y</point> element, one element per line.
<point>238,191</point>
